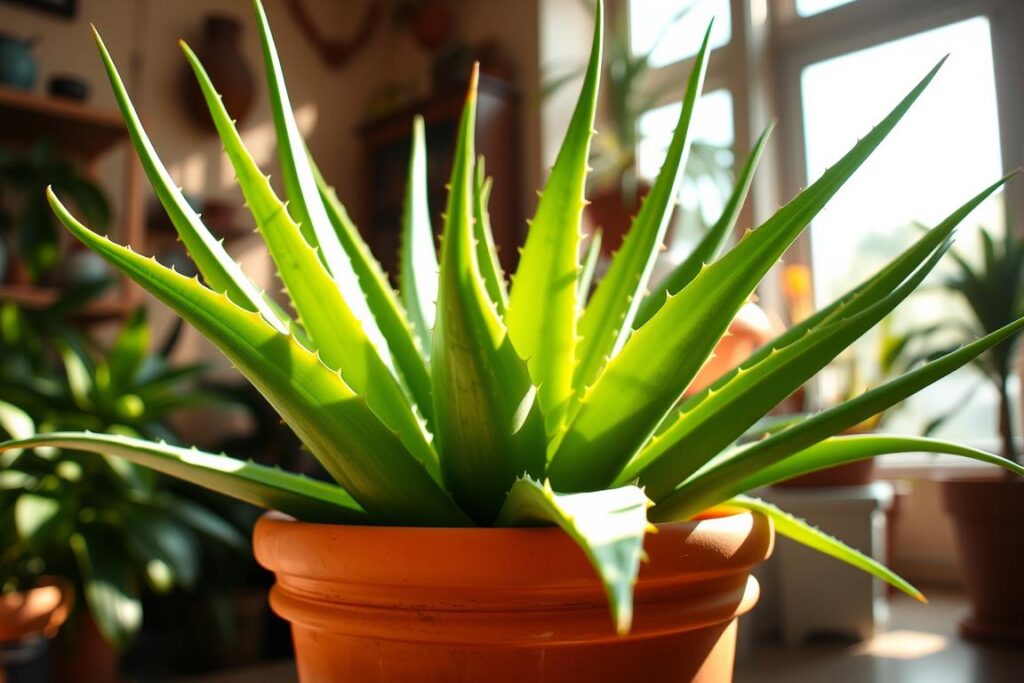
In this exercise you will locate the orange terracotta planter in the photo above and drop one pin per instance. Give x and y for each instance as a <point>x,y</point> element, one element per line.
<point>387,604</point>
<point>39,611</point>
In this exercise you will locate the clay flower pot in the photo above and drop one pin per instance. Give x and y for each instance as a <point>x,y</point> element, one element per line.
<point>986,513</point>
<point>38,611</point>
<point>418,605</point>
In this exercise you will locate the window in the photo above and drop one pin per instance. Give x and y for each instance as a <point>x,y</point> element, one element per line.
<point>806,8</point>
<point>672,30</point>
<point>832,75</point>
<point>708,175</point>
<point>945,150</point>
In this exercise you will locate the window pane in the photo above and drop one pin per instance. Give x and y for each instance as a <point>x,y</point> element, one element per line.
<point>806,8</point>
<point>944,151</point>
<point>708,178</point>
<point>672,30</point>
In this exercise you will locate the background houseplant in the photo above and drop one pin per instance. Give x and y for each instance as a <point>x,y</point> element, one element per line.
<point>994,292</point>
<point>428,416</point>
<point>104,526</point>
<point>25,218</point>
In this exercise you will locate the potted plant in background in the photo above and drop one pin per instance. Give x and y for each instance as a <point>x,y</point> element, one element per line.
<point>437,554</point>
<point>101,528</point>
<point>983,508</point>
<point>33,249</point>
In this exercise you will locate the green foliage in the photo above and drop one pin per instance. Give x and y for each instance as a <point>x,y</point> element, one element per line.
<point>541,410</point>
<point>23,211</point>
<point>107,525</point>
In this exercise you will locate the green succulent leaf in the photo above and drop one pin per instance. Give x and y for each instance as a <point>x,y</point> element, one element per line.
<point>304,203</point>
<point>586,279</point>
<point>221,272</point>
<point>541,315</point>
<point>384,303</point>
<point>332,326</point>
<point>640,385</point>
<point>486,252</point>
<point>216,528</point>
<point>489,426</point>
<point>800,531</point>
<point>417,272</point>
<point>607,321</point>
<point>37,516</point>
<point>110,588</point>
<point>608,525</point>
<point>759,384</point>
<point>337,426</point>
<point>266,487</point>
<point>721,480</point>
<point>711,245</point>
<point>840,450</point>
<point>156,536</point>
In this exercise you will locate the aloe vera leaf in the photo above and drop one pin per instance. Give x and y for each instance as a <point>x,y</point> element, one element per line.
<point>640,385</point>
<point>586,279</point>
<point>221,272</point>
<point>541,315</point>
<point>266,487</point>
<point>332,326</point>
<point>700,434</point>
<point>489,426</point>
<point>800,531</point>
<point>390,314</point>
<point>607,321</point>
<point>713,484</point>
<point>860,296</point>
<point>697,433</point>
<point>337,426</point>
<point>486,252</point>
<point>840,450</point>
<point>608,525</point>
<point>304,203</point>
<point>417,272</point>
<point>129,350</point>
<point>711,245</point>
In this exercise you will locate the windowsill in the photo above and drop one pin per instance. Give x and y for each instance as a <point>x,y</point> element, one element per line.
<point>932,467</point>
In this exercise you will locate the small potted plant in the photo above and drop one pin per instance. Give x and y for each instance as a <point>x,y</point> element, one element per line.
<point>496,456</point>
<point>994,292</point>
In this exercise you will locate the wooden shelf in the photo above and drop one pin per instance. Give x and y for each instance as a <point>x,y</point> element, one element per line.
<point>78,129</point>
<point>110,306</point>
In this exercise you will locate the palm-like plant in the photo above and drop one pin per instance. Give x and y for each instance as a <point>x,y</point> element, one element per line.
<point>994,293</point>
<point>505,405</point>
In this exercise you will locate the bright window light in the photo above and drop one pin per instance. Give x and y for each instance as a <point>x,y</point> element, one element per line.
<point>708,169</point>
<point>806,8</point>
<point>674,29</point>
<point>944,151</point>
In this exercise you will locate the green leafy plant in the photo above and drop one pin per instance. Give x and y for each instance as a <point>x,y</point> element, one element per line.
<point>512,407</point>
<point>994,293</point>
<point>107,525</point>
<point>24,177</point>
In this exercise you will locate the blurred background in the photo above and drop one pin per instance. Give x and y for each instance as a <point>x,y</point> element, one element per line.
<point>171,591</point>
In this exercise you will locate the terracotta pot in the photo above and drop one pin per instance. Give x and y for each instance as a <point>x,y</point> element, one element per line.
<point>986,517</point>
<point>39,611</point>
<point>84,655</point>
<point>389,605</point>
<point>748,331</point>
<point>613,213</point>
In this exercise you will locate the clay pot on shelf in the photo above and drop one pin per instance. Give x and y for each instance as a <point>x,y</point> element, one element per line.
<point>389,604</point>
<point>986,513</point>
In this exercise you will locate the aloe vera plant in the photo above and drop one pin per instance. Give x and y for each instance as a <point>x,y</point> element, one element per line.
<point>520,403</point>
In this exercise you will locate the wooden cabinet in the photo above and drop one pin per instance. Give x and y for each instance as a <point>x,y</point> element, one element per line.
<point>386,143</point>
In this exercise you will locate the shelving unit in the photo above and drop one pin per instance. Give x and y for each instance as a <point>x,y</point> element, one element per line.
<point>85,134</point>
